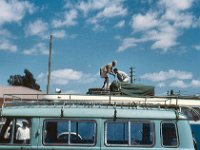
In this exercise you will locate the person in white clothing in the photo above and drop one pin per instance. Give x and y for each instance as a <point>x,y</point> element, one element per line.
<point>23,133</point>
<point>122,76</point>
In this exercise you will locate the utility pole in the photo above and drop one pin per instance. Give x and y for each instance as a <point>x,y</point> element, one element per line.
<point>49,66</point>
<point>132,74</point>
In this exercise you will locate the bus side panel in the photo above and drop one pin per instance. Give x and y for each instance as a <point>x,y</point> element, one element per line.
<point>185,134</point>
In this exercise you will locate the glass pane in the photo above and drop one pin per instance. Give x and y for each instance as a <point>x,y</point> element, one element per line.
<point>83,132</point>
<point>22,131</point>
<point>191,115</point>
<point>6,130</point>
<point>117,132</point>
<point>141,133</point>
<point>56,132</point>
<point>169,134</point>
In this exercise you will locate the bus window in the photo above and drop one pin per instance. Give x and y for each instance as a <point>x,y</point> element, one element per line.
<point>142,133</point>
<point>116,132</point>
<point>57,132</point>
<point>6,130</point>
<point>83,132</point>
<point>129,133</point>
<point>53,132</point>
<point>17,134</point>
<point>22,128</point>
<point>191,115</point>
<point>169,135</point>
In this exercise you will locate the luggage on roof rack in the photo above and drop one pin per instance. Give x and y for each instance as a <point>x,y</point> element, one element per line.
<point>128,89</point>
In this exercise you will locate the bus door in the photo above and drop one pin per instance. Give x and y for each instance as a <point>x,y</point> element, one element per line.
<point>76,134</point>
<point>17,133</point>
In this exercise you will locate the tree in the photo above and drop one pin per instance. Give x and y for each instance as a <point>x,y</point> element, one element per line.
<point>26,80</point>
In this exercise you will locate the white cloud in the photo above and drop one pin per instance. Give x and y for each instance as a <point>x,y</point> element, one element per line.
<point>195,83</point>
<point>67,74</point>
<point>69,19</point>
<point>129,43</point>
<point>92,5</point>
<point>144,22</point>
<point>163,25</point>
<point>177,4</point>
<point>197,47</point>
<point>59,34</point>
<point>184,21</point>
<point>120,24</point>
<point>36,28</point>
<point>111,11</point>
<point>14,10</point>
<point>6,45</point>
<point>102,10</point>
<point>38,49</point>
<point>179,84</point>
<point>172,78</point>
<point>166,75</point>
<point>64,76</point>
<point>41,76</point>
<point>95,12</point>
<point>163,39</point>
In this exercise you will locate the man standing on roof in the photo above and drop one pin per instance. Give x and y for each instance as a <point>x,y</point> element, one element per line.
<point>105,70</point>
<point>121,76</point>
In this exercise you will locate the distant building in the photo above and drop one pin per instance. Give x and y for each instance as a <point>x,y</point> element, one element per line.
<point>18,92</point>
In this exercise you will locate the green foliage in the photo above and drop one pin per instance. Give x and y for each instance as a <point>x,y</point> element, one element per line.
<point>26,80</point>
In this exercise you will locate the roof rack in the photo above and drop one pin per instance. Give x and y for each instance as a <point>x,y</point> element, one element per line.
<point>59,99</point>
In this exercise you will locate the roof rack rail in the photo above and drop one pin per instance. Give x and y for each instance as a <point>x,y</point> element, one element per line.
<point>59,99</point>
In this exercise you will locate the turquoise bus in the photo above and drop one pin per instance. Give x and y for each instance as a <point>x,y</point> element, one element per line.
<point>58,124</point>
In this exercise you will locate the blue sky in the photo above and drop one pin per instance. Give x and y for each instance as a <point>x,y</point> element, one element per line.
<point>159,38</point>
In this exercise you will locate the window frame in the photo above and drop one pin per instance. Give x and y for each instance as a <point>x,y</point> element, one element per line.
<point>105,132</point>
<point>69,143</point>
<point>13,132</point>
<point>153,133</point>
<point>177,135</point>
<point>129,133</point>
